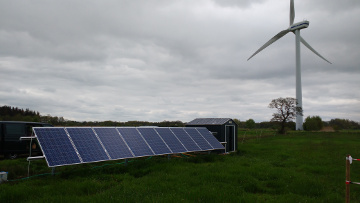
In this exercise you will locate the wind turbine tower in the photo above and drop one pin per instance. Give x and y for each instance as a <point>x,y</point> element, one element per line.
<point>294,28</point>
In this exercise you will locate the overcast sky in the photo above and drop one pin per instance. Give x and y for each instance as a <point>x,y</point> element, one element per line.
<point>155,60</point>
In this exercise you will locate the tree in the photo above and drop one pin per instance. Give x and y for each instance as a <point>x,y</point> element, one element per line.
<point>250,123</point>
<point>313,123</point>
<point>342,124</point>
<point>286,111</point>
<point>237,121</point>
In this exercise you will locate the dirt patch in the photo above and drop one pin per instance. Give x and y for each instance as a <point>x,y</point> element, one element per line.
<point>327,129</point>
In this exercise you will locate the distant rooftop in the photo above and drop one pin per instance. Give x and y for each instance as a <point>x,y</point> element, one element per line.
<point>208,121</point>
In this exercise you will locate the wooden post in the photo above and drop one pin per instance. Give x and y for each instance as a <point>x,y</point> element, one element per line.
<point>347,196</point>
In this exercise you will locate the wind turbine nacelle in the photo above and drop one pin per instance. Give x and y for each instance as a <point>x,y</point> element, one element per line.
<point>299,26</point>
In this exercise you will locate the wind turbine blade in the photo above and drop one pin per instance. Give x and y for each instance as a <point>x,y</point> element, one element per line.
<point>313,50</point>
<point>272,40</point>
<point>292,12</point>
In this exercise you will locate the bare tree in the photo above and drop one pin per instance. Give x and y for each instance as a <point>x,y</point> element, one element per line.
<point>286,111</point>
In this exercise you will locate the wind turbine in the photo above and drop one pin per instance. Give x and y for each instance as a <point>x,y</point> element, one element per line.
<point>295,28</point>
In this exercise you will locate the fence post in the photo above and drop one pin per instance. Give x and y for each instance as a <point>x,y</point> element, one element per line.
<point>347,196</point>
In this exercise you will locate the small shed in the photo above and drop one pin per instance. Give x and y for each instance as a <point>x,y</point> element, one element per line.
<point>224,129</point>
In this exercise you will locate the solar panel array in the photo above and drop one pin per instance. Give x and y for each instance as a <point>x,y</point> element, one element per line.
<point>76,145</point>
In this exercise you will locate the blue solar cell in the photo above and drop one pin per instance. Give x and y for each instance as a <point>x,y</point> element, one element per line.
<point>136,143</point>
<point>198,138</point>
<point>87,144</point>
<point>113,143</point>
<point>185,139</point>
<point>154,141</point>
<point>66,146</point>
<point>56,146</point>
<point>210,138</point>
<point>169,138</point>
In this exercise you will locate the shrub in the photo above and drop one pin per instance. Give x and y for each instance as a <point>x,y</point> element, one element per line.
<point>313,123</point>
<point>250,124</point>
<point>344,124</point>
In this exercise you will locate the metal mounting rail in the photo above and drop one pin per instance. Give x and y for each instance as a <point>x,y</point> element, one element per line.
<point>35,158</point>
<point>27,138</point>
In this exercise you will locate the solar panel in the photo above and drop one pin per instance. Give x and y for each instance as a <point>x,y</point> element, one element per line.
<point>210,138</point>
<point>87,144</point>
<point>185,139</point>
<point>169,138</point>
<point>56,146</point>
<point>113,143</point>
<point>71,145</point>
<point>136,143</point>
<point>154,141</point>
<point>198,138</point>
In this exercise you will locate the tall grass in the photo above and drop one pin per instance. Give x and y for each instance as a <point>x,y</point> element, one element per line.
<point>298,167</point>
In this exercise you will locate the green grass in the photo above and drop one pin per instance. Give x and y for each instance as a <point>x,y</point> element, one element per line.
<point>298,167</point>
<point>246,134</point>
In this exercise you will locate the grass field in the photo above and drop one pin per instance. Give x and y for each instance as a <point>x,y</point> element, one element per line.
<point>298,167</point>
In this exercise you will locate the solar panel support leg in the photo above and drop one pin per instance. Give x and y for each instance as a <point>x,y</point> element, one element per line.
<point>126,162</point>
<point>52,171</point>
<point>169,156</point>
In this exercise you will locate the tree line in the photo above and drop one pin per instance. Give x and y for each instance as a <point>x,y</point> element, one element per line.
<point>13,111</point>
<point>312,123</point>
<point>8,113</point>
<point>251,124</point>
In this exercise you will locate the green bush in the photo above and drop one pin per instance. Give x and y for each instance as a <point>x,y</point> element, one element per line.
<point>250,123</point>
<point>344,124</point>
<point>313,123</point>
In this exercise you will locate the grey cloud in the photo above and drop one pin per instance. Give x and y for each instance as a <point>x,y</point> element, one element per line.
<point>332,7</point>
<point>235,3</point>
<point>174,60</point>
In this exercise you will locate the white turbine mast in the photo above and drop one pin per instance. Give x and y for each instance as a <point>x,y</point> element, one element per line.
<point>295,28</point>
